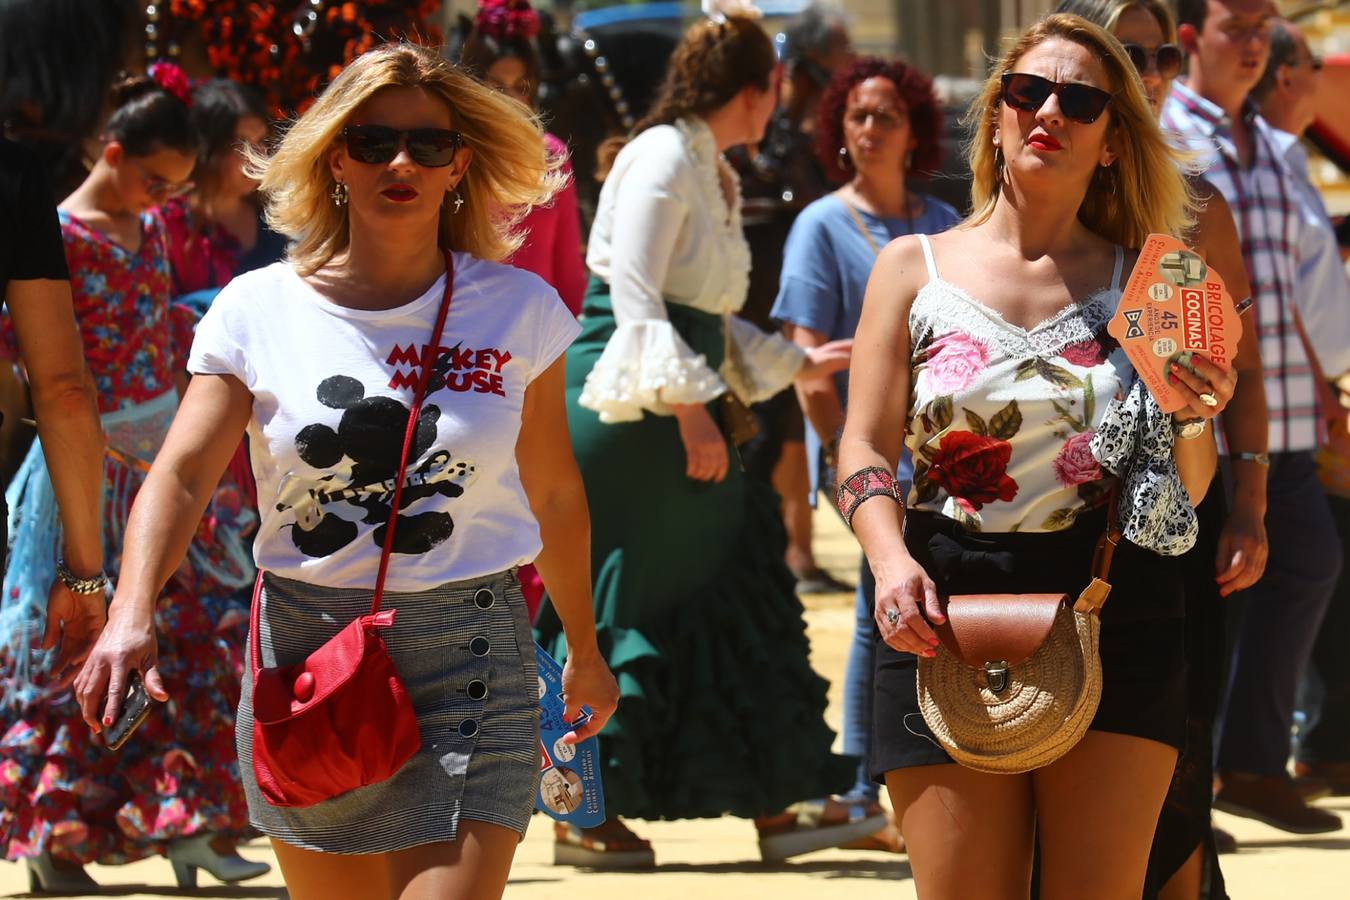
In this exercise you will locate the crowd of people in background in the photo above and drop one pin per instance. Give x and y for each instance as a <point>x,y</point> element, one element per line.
<point>768,300</point>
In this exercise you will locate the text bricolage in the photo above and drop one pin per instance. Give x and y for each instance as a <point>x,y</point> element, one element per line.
<point>460,368</point>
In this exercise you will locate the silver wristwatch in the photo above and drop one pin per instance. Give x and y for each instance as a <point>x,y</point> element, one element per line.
<point>96,585</point>
<point>1189,429</point>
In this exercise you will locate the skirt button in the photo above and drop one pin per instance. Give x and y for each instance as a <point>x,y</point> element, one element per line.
<point>480,646</point>
<point>476,689</point>
<point>468,728</point>
<point>484,599</point>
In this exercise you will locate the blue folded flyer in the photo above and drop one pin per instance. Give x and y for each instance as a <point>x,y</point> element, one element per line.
<point>569,774</point>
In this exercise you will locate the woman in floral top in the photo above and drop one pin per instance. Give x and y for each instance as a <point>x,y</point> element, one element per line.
<point>984,351</point>
<point>172,789</point>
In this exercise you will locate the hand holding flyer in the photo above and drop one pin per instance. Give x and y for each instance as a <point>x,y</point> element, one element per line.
<point>569,774</point>
<point>1174,306</point>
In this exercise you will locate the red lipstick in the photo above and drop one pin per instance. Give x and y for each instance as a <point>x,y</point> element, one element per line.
<point>400,193</point>
<point>1044,142</point>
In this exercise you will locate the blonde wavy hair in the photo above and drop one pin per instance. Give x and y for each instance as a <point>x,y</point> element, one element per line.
<point>511,168</point>
<point>1145,191</point>
<point>1107,13</point>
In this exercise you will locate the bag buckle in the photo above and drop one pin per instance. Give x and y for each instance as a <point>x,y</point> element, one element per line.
<point>996,673</point>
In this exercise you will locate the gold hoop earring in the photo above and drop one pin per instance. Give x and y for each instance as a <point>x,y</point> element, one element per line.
<point>338,195</point>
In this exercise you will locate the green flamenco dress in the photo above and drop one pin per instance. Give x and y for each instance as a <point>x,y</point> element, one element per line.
<point>720,711</point>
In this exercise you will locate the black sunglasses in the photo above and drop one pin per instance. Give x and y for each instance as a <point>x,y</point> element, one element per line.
<point>1167,57</point>
<point>1080,102</point>
<point>377,144</point>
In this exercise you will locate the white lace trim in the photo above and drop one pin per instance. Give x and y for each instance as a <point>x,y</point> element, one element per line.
<point>941,303</point>
<point>731,246</point>
<point>647,366</point>
<point>758,364</point>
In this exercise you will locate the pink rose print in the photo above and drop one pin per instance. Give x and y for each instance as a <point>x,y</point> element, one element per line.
<point>1075,463</point>
<point>1087,353</point>
<point>953,362</point>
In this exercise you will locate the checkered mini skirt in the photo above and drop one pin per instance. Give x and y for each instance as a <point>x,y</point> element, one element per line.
<point>466,656</point>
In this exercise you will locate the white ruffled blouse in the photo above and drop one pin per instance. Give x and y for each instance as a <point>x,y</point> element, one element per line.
<point>663,233</point>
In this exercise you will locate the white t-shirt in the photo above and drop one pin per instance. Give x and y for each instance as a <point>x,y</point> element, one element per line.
<point>332,388</point>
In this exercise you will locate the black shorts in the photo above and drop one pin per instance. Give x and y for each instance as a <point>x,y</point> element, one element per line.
<point>1142,638</point>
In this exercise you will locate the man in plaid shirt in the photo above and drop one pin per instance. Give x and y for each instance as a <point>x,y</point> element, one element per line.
<point>1227,45</point>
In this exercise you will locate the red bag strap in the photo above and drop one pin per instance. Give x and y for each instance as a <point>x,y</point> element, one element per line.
<point>428,357</point>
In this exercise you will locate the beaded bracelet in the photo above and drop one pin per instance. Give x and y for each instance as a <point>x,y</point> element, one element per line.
<point>864,484</point>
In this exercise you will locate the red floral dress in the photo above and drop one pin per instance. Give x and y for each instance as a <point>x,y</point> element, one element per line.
<point>1001,417</point>
<point>61,790</point>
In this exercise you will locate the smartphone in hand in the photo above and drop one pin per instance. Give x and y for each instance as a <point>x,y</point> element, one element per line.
<point>135,710</point>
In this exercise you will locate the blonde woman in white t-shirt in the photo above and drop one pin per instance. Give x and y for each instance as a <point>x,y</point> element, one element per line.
<point>402,165</point>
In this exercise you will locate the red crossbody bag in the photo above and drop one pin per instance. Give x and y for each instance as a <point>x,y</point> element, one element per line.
<point>341,719</point>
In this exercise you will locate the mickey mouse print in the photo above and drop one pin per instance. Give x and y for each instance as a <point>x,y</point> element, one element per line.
<point>359,454</point>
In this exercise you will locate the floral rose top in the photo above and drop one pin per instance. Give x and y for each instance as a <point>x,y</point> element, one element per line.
<point>1002,418</point>
<point>122,307</point>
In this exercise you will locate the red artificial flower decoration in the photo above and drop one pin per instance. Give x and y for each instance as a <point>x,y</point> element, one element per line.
<point>974,468</point>
<point>508,20</point>
<point>173,80</point>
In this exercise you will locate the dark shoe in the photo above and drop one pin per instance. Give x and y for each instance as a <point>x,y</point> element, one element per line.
<point>1272,799</point>
<point>1335,774</point>
<point>1224,842</point>
<point>818,581</point>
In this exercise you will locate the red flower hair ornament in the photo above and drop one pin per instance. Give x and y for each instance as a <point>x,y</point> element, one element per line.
<point>508,20</point>
<point>173,80</point>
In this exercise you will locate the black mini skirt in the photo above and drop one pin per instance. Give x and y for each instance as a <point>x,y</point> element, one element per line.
<point>1142,638</point>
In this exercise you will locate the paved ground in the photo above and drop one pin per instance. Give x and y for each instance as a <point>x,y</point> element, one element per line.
<point>717,859</point>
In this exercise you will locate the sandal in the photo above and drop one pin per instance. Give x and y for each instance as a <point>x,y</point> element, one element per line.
<point>612,845</point>
<point>887,840</point>
<point>809,829</point>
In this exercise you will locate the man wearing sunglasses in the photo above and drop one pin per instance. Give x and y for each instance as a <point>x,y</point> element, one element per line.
<point>1286,96</point>
<point>1227,44</point>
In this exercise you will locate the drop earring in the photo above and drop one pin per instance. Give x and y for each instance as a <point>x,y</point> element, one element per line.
<point>338,195</point>
<point>459,201</point>
<point>844,161</point>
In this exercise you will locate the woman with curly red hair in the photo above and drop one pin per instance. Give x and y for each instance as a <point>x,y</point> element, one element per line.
<point>879,125</point>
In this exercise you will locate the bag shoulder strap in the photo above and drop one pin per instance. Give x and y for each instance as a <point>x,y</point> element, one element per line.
<point>862,226</point>
<point>1094,595</point>
<point>414,413</point>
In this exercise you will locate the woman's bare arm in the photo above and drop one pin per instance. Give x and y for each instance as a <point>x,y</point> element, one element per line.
<point>205,433</point>
<point>552,482</point>
<point>65,405</point>
<point>878,406</point>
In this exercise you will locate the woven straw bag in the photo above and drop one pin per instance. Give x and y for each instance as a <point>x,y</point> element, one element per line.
<point>1017,677</point>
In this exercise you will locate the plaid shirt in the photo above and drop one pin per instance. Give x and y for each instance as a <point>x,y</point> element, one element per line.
<point>1264,199</point>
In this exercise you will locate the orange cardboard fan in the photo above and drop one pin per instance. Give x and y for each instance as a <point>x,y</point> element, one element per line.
<point>1174,306</point>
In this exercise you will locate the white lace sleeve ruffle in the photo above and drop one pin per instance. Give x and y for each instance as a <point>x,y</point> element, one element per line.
<point>759,364</point>
<point>1134,442</point>
<point>647,366</point>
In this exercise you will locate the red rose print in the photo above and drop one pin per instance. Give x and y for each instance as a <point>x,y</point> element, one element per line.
<point>973,468</point>
<point>1075,463</point>
<point>1087,353</point>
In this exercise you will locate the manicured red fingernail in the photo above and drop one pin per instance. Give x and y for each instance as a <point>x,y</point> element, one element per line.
<point>107,720</point>
<point>930,653</point>
<point>932,642</point>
